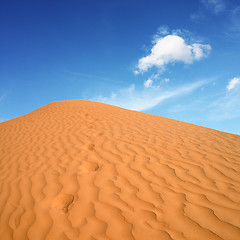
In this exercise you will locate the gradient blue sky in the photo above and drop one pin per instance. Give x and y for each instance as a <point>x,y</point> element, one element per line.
<point>177,59</point>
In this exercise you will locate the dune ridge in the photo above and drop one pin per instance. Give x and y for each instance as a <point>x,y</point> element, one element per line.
<point>83,170</point>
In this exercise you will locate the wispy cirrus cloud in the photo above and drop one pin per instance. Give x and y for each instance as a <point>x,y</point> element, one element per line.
<point>215,6</point>
<point>168,48</point>
<point>90,76</point>
<point>141,100</point>
<point>225,107</point>
<point>235,20</point>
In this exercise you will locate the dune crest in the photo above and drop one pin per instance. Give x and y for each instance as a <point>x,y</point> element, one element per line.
<point>84,170</point>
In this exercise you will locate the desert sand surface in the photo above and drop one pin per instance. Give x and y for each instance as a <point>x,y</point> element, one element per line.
<point>90,171</point>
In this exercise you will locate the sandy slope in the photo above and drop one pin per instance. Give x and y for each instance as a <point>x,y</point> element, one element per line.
<point>84,170</point>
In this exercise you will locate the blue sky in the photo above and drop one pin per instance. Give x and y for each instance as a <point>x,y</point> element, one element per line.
<point>177,59</point>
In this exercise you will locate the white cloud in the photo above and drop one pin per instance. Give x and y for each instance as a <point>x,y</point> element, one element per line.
<point>233,83</point>
<point>216,6</point>
<point>154,81</point>
<point>171,49</point>
<point>141,100</point>
<point>162,31</point>
<point>148,83</point>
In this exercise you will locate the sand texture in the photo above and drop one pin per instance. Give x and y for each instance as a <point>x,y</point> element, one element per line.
<point>89,171</point>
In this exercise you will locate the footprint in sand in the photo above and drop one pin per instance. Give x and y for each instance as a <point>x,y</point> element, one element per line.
<point>98,133</point>
<point>62,202</point>
<point>88,147</point>
<point>87,167</point>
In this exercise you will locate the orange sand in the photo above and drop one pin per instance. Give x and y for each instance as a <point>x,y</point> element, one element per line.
<point>84,170</point>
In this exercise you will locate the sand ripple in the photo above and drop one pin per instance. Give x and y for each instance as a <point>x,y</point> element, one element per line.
<point>84,170</point>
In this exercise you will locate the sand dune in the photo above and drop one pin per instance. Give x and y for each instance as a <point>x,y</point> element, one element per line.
<point>84,170</point>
